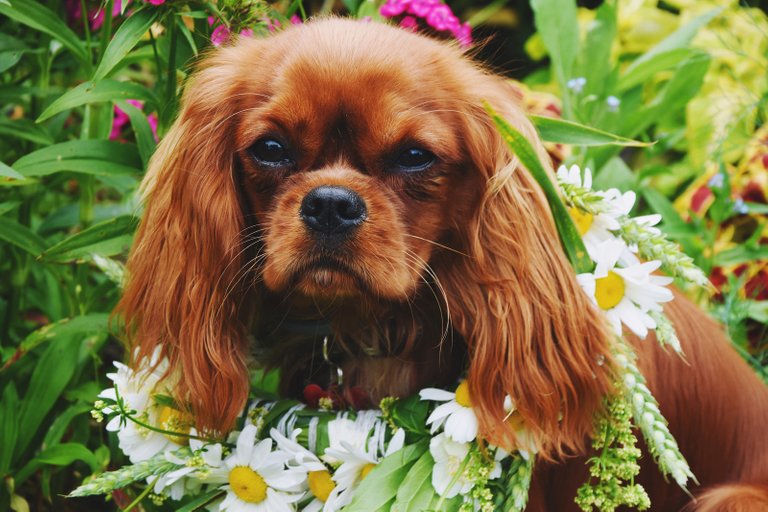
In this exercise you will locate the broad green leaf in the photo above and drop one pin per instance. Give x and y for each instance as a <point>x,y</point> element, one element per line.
<point>125,38</point>
<point>95,92</point>
<point>90,240</point>
<point>416,492</point>
<point>61,423</point>
<point>59,455</point>
<point>41,18</point>
<point>9,425</point>
<point>615,174</point>
<point>680,38</point>
<point>9,58</point>
<point>672,220</point>
<point>7,206</point>
<point>76,326</point>
<point>21,236</point>
<point>26,130</point>
<point>594,61</point>
<point>7,171</point>
<point>569,236</point>
<point>85,156</point>
<point>52,372</point>
<point>411,414</point>
<point>380,486</point>
<point>756,310</point>
<point>555,21</point>
<point>684,85</point>
<point>145,139</point>
<point>639,74</point>
<point>569,132</point>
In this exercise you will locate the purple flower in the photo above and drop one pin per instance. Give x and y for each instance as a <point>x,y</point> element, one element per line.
<point>155,2</point>
<point>394,8</point>
<point>442,18</point>
<point>421,8</point>
<point>121,119</point>
<point>463,33</point>
<point>409,23</point>
<point>296,20</point>
<point>220,35</point>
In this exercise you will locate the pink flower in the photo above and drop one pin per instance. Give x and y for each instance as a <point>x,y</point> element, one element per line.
<point>409,23</point>
<point>155,2</point>
<point>246,32</point>
<point>220,35</point>
<point>271,24</point>
<point>121,119</point>
<point>463,33</point>
<point>421,8</point>
<point>442,18</point>
<point>296,20</point>
<point>394,8</point>
<point>97,16</point>
<point>152,120</point>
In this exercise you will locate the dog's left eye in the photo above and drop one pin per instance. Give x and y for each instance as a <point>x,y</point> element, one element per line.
<point>415,159</point>
<point>270,153</point>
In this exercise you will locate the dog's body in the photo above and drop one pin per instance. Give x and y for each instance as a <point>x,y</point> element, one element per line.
<point>327,184</point>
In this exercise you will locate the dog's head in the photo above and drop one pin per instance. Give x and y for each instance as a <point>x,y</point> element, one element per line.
<point>353,163</point>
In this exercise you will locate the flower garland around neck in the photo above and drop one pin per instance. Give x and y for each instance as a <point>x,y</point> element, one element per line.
<point>422,452</point>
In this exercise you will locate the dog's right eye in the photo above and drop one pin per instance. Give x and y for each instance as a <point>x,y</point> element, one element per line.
<point>270,153</point>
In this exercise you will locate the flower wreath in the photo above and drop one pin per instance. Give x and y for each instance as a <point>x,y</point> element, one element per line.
<point>422,452</point>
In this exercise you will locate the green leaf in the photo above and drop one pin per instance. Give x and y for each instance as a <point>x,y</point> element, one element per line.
<point>100,157</point>
<point>52,372</point>
<point>680,38</point>
<point>9,426</point>
<point>59,426</point>
<point>125,38</point>
<point>594,61</point>
<point>756,310</point>
<point>7,171</point>
<point>95,92</point>
<point>7,206</point>
<point>41,18</point>
<point>569,132</point>
<point>92,240</point>
<point>411,414</point>
<point>21,236</point>
<point>145,139</point>
<point>9,58</point>
<point>615,174</point>
<point>26,130</point>
<point>555,21</point>
<point>59,455</point>
<point>200,502</point>
<point>76,326</point>
<point>380,486</point>
<point>569,236</point>
<point>740,254</point>
<point>416,492</point>
<point>638,74</point>
<point>661,205</point>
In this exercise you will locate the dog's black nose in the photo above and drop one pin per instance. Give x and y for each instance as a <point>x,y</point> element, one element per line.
<point>333,211</point>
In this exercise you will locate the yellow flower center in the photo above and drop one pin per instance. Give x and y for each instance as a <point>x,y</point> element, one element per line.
<point>175,420</point>
<point>247,484</point>
<point>462,394</point>
<point>321,484</point>
<point>582,219</point>
<point>515,421</point>
<point>366,469</point>
<point>609,290</point>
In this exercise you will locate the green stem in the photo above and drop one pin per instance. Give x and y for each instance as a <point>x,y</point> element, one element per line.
<point>86,27</point>
<point>106,33</point>
<point>143,494</point>
<point>170,92</point>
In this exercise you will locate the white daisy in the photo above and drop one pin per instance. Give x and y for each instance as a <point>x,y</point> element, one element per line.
<point>357,461</point>
<point>625,294</point>
<point>204,466</point>
<point>321,486</point>
<point>258,478</point>
<point>451,474</point>
<point>573,176</point>
<point>457,414</point>
<point>526,443</point>
<point>135,388</point>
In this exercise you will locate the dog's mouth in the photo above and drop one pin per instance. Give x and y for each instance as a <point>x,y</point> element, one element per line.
<point>329,276</point>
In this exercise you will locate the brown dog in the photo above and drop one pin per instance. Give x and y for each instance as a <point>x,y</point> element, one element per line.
<point>341,180</point>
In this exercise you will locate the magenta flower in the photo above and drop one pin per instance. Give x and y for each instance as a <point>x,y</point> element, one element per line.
<point>121,119</point>
<point>296,20</point>
<point>421,8</point>
<point>155,2</point>
<point>246,32</point>
<point>97,16</point>
<point>442,18</point>
<point>463,33</point>
<point>394,8</point>
<point>409,23</point>
<point>220,35</point>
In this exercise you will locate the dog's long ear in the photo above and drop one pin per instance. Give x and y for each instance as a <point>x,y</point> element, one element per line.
<point>532,332</point>
<point>181,294</point>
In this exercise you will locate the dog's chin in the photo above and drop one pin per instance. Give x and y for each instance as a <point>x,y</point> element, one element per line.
<point>330,279</point>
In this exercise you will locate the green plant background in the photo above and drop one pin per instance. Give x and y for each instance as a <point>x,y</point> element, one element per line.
<point>691,76</point>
